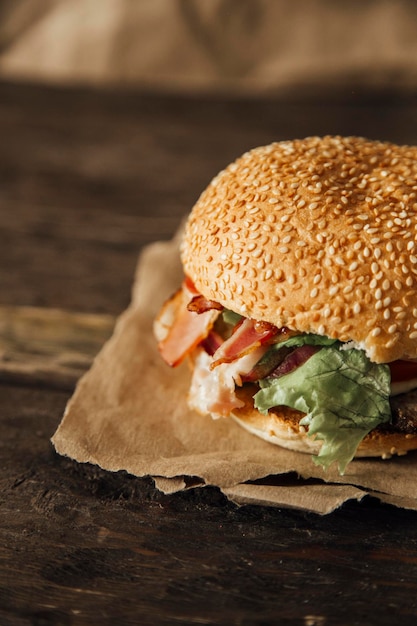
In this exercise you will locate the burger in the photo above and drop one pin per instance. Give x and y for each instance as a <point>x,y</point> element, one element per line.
<point>298,308</point>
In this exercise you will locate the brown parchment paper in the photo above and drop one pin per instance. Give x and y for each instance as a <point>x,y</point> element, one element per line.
<point>129,413</point>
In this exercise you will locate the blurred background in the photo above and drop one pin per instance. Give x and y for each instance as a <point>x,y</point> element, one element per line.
<point>250,46</point>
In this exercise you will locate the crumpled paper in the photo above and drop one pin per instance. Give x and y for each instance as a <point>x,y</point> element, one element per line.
<point>129,413</point>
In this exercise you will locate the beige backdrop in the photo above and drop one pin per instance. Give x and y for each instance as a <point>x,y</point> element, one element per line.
<point>256,45</point>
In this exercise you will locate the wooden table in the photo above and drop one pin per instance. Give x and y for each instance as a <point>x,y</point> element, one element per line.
<point>87,178</point>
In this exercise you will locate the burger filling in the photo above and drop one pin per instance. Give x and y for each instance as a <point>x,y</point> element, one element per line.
<point>342,394</point>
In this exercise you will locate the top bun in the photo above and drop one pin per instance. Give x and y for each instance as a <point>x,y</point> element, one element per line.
<point>316,234</point>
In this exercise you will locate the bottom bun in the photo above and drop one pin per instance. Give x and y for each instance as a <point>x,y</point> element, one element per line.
<point>282,427</point>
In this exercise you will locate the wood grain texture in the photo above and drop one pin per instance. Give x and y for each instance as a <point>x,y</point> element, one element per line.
<point>87,178</point>
<point>51,347</point>
<point>81,546</point>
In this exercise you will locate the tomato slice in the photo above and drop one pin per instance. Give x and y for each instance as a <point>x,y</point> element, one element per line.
<point>403,370</point>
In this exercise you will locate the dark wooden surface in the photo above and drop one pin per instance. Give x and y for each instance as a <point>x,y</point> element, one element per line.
<point>86,179</point>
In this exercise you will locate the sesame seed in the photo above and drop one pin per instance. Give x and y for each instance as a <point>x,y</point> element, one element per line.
<point>392,341</point>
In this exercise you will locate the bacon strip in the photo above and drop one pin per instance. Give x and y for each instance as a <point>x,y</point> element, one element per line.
<point>184,329</point>
<point>200,304</point>
<point>187,320</point>
<point>247,336</point>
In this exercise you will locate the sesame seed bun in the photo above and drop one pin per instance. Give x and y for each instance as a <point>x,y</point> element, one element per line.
<point>317,234</point>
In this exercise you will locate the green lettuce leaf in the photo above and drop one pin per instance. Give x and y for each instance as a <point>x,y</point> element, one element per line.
<point>306,339</point>
<point>343,394</point>
<point>230,317</point>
